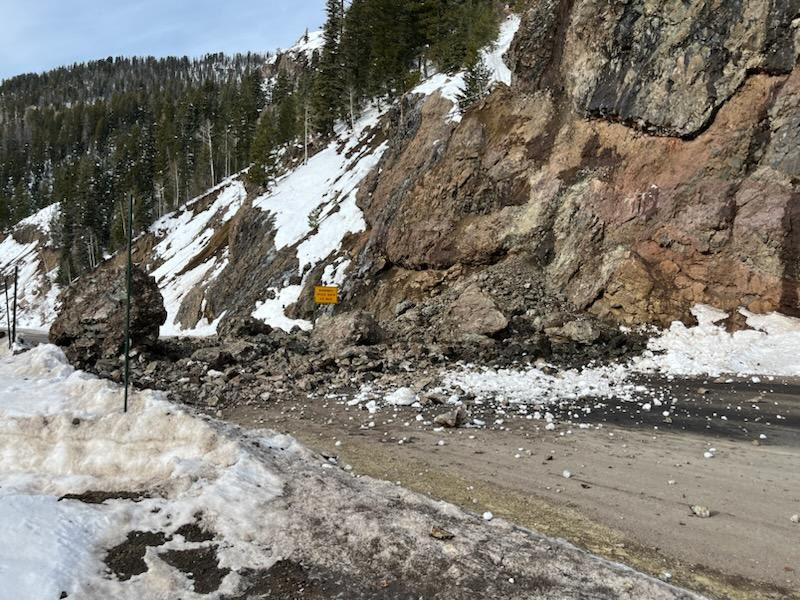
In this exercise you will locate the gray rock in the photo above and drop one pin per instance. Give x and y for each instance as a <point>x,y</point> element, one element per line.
<point>453,418</point>
<point>91,323</point>
<point>579,331</point>
<point>348,329</point>
<point>475,313</point>
<point>215,358</point>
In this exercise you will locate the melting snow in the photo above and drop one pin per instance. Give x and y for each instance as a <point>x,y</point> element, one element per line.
<point>184,235</point>
<point>37,290</point>
<point>191,466</point>
<point>450,86</point>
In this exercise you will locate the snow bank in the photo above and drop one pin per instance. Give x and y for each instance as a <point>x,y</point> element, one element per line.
<point>770,347</point>
<point>37,289</point>
<point>450,86</point>
<point>62,431</point>
<point>184,235</point>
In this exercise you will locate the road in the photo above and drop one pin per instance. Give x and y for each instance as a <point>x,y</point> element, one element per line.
<point>632,480</point>
<point>34,337</point>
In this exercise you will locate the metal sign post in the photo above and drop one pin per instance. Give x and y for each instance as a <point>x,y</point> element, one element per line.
<point>14,320</point>
<point>8,310</point>
<point>128,302</point>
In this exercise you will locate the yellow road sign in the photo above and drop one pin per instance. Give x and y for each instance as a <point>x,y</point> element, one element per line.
<point>324,294</point>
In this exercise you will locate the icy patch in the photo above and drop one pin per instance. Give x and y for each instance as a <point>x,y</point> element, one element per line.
<point>769,348</point>
<point>450,86</point>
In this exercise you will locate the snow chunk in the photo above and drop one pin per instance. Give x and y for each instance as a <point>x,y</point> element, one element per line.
<point>402,397</point>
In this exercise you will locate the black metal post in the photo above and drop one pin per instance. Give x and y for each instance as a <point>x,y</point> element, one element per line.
<point>14,321</point>
<point>128,301</point>
<point>8,310</point>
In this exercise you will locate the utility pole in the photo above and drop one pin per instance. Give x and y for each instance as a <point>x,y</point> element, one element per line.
<point>128,302</point>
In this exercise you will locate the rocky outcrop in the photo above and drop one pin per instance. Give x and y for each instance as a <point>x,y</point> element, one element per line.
<point>91,324</point>
<point>645,159</point>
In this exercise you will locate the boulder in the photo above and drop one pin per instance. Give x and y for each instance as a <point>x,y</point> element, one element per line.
<point>475,313</point>
<point>357,328</point>
<point>215,358</point>
<point>239,327</point>
<point>453,418</point>
<point>579,331</point>
<point>91,323</point>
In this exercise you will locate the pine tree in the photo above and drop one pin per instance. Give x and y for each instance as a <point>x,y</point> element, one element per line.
<point>263,168</point>
<point>329,90</point>
<point>476,84</point>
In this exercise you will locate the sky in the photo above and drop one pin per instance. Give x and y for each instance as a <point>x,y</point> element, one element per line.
<point>37,35</point>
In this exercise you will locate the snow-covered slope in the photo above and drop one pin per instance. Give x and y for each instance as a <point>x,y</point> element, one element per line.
<point>28,247</point>
<point>183,235</point>
<point>450,86</point>
<point>312,208</point>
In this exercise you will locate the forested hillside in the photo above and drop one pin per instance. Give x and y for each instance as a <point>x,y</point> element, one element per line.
<point>164,130</point>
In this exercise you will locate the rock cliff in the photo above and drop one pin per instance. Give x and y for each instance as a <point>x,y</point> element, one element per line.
<point>644,159</point>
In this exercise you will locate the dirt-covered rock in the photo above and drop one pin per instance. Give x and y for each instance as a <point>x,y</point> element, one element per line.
<point>91,323</point>
<point>348,329</point>
<point>474,312</point>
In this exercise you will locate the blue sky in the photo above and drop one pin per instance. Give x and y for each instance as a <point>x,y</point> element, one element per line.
<point>36,35</point>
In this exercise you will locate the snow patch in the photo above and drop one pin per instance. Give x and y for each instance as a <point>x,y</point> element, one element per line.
<point>184,235</point>
<point>451,86</point>
<point>313,208</point>
<point>37,288</point>
<point>770,347</point>
<point>188,465</point>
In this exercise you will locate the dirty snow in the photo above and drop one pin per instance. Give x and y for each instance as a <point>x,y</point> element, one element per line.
<point>37,288</point>
<point>187,465</point>
<point>450,86</point>
<point>62,432</point>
